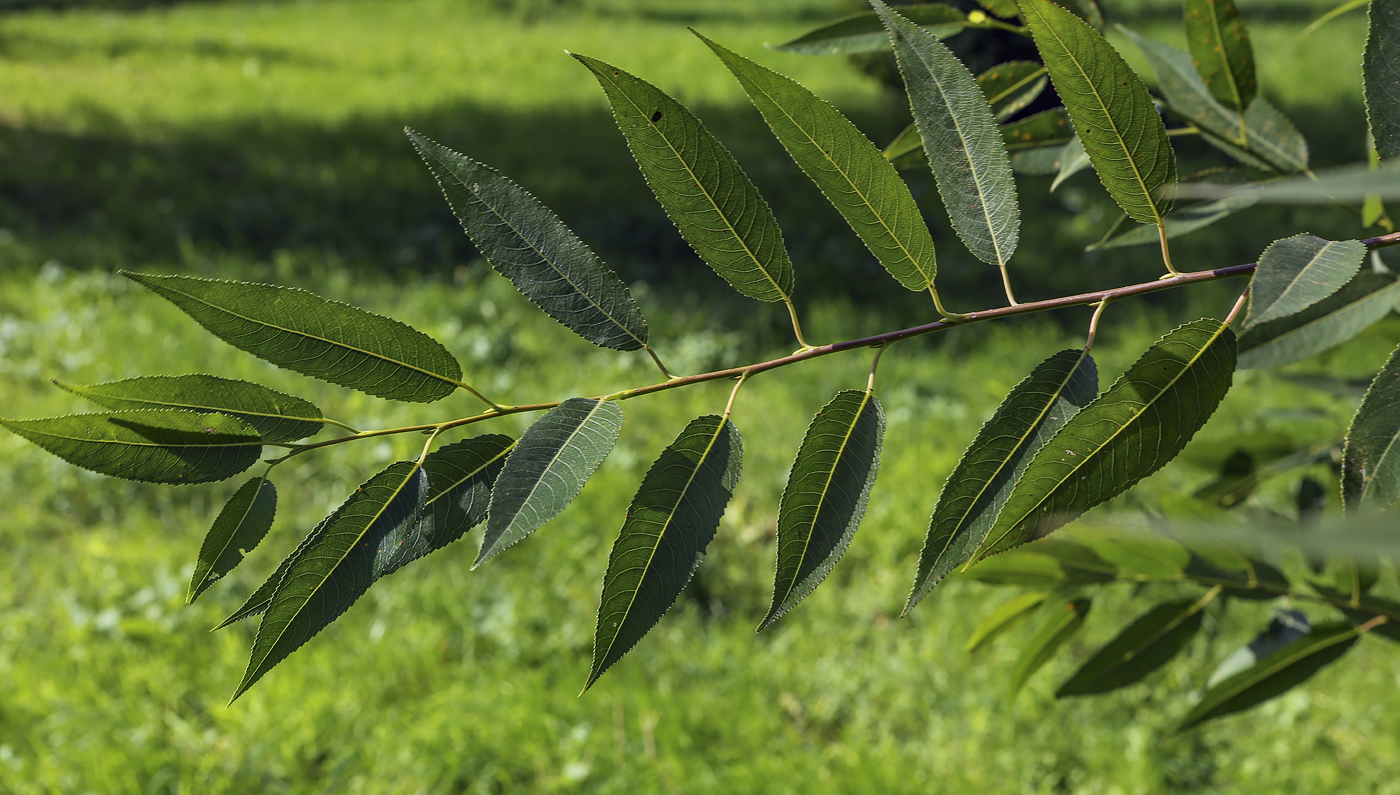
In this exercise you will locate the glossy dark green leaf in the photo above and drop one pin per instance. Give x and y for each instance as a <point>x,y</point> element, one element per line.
<point>1141,648</point>
<point>979,485</point>
<point>1219,45</point>
<point>1127,433</point>
<point>1368,297</point>
<point>152,446</point>
<point>707,195</point>
<point>1296,272</point>
<point>669,523</point>
<point>1012,85</point>
<point>1380,69</point>
<point>1371,457</point>
<point>960,135</point>
<point>850,171</point>
<point>863,32</point>
<point>257,601</point>
<point>528,244</point>
<point>1072,161</point>
<point>1059,621</point>
<point>558,453</point>
<point>276,416</point>
<point>1009,614</point>
<point>336,567</point>
<point>1112,112</point>
<point>310,335</point>
<point>239,527</point>
<point>1182,221</point>
<point>826,494</point>
<point>1275,674</point>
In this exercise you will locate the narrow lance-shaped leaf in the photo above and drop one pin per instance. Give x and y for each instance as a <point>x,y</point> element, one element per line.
<point>528,244</point>
<point>239,527</point>
<point>1182,221</point>
<point>336,567</point>
<point>669,523</point>
<point>1011,85</point>
<point>1141,648</point>
<point>1296,272</point>
<point>1348,184</point>
<point>1371,458</point>
<point>1112,112</point>
<point>1368,297</point>
<point>826,495</point>
<point>276,416</point>
<point>858,181</point>
<point>1060,620</point>
<point>709,198</point>
<point>307,334</point>
<point>1072,161</point>
<point>1007,615</point>
<point>1037,143</point>
<point>975,492</point>
<point>1219,45</point>
<point>961,137</point>
<point>548,468</point>
<point>863,32</point>
<point>1127,433</point>
<point>257,601</point>
<point>1380,70</point>
<point>151,446</point>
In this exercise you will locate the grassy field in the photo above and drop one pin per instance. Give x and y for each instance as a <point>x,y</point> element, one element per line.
<point>262,141</point>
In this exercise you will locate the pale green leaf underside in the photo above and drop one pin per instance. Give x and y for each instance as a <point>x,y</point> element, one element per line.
<point>528,244</point>
<point>1219,45</point>
<point>310,335</point>
<point>152,446</point>
<point>826,495</point>
<point>1007,615</point>
<point>669,523</point>
<point>1059,621</point>
<point>1365,299</point>
<point>239,527</point>
<point>1371,458</point>
<point>709,198</point>
<point>1380,69</point>
<point>276,416</point>
<point>863,32</point>
<point>1296,272</point>
<point>850,171</point>
<point>547,469</point>
<point>1141,648</point>
<point>1112,112</point>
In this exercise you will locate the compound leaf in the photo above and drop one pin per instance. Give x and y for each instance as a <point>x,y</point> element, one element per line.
<point>1141,648</point>
<point>1219,45</point>
<point>1061,621</point>
<point>1380,69</point>
<point>1371,457</point>
<point>863,32</point>
<point>1296,272</point>
<point>239,527</point>
<point>1368,297</point>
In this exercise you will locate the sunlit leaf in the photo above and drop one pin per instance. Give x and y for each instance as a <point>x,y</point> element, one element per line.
<point>239,527</point>
<point>863,32</point>
<point>1031,568</point>
<point>1141,648</point>
<point>1141,556</point>
<point>1380,69</point>
<point>1371,458</point>
<point>1219,45</point>
<point>1296,272</point>
<point>1059,621</point>
<point>257,601</point>
<point>1011,613</point>
<point>1368,297</point>
<point>1011,85</point>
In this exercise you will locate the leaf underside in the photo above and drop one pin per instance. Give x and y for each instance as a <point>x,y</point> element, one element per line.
<point>1371,457</point>
<point>1365,299</point>
<point>1296,272</point>
<point>1141,648</point>
<point>239,527</point>
<point>1380,69</point>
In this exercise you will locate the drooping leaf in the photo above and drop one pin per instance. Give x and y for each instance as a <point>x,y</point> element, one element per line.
<point>669,523</point>
<point>1349,184</point>
<point>1296,272</point>
<point>981,482</point>
<point>960,135</point>
<point>826,495</point>
<point>1141,648</point>
<point>310,335</point>
<point>528,244</point>
<point>336,567</point>
<point>276,416</point>
<point>1367,607</point>
<point>1275,674</point>
<point>707,195</point>
<point>1181,222</point>
<point>1037,570</point>
<point>1219,45</point>
<point>863,32</point>
<point>1140,556</point>
<point>1127,433</point>
<point>1368,297</point>
<point>850,171</point>
<point>1036,143</point>
<point>1072,161</point>
<point>557,454</point>
<point>1012,85</point>
<point>148,445</point>
<point>239,527</point>
<point>257,601</point>
<point>1371,457</point>
<point>1009,614</point>
<point>1380,69</point>
<point>1059,621</point>
<point>1112,112</point>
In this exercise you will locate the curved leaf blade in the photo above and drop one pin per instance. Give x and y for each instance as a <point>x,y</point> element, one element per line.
<point>150,446</point>
<point>670,522</point>
<point>547,470</point>
<point>1061,621</point>
<point>826,495</point>
<point>863,32</point>
<point>709,198</point>
<point>528,244</point>
<point>261,597</point>
<point>1007,615</point>
<point>310,335</point>
<point>1296,272</point>
<point>1011,85</point>
<point>1141,648</point>
<point>1380,69</point>
<point>1219,45</point>
<point>237,530</point>
<point>1371,457</point>
<point>1365,299</point>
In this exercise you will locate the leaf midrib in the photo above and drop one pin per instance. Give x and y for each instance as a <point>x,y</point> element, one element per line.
<point>459,481</point>
<point>1298,278</point>
<point>548,467</point>
<point>1224,56</point>
<point>1259,676</point>
<point>1322,318</point>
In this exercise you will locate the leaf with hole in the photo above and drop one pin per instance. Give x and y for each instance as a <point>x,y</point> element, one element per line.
<point>1368,297</point>
<point>1008,615</point>
<point>863,32</point>
<point>1059,621</point>
<point>1141,648</point>
<point>1296,272</point>
<point>239,527</point>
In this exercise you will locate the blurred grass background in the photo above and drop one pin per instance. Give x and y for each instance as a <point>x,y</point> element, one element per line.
<point>263,141</point>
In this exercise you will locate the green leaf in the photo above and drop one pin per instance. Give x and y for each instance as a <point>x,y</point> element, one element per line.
<point>151,446</point>
<point>1274,675</point>
<point>528,244</point>
<point>669,523</point>
<point>1038,570</point>
<point>907,148</point>
<point>307,334</point>
<point>1296,272</point>
<point>239,527</point>
<point>1003,8</point>
<point>1036,143</point>
<point>1061,620</point>
<point>1141,648</point>
<point>700,185</point>
<point>1219,45</point>
<point>261,597</point>
<point>826,494</point>
<point>1371,457</point>
<point>1140,556</point>
<point>1365,608</point>
<point>960,135</point>
<point>276,416</point>
<point>1380,69</point>
<point>850,171</point>
<point>1008,615</point>
<point>863,32</point>
<point>1349,184</point>
<point>983,479</point>
<point>547,469</point>
<point>1127,433</point>
<point>1072,161</point>
<point>1087,10</point>
<point>336,567</point>
<point>1112,112</point>
<point>1181,222</point>
<point>1011,85</point>
<point>1362,301</point>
